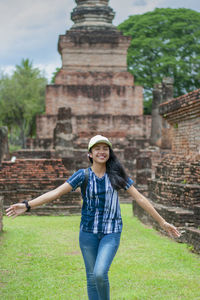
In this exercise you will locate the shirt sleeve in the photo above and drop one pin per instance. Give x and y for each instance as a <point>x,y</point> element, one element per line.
<point>129,183</point>
<point>76,179</point>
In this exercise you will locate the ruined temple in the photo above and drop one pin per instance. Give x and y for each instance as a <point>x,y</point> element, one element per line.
<point>93,94</point>
<point>175,190</point>
<point>93,89</point>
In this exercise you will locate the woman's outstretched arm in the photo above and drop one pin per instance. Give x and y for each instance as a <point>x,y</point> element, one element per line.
<point>19,208</point>
<point>146,205</point>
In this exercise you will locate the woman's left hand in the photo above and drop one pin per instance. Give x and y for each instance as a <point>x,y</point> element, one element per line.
<point>171,230</point>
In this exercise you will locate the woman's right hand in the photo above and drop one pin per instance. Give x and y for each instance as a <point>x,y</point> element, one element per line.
<point>16,210</point>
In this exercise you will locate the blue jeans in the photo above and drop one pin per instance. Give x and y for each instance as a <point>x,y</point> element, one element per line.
<point>98,251</point>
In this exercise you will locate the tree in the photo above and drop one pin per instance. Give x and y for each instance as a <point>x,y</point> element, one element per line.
<point>21,98</point>
<point>165,43</point>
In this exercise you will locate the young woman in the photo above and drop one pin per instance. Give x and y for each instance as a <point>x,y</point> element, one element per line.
<point>101,222</point>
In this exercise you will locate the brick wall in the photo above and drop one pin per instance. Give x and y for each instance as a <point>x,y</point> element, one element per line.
<point>186,137</point>
<point>183,114</point>
<point>176,183</point>
<point>92,99</point>
<point>175,190</point>
<point>80,78</point>
<point>28,178</point>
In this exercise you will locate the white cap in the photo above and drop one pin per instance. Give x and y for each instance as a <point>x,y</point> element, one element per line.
<point>98,139</point>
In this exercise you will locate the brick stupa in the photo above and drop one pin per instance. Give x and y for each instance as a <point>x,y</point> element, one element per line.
<point>93,92</point>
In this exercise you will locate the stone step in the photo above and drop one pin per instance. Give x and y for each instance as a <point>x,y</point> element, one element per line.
<point>192,237</point>
<point>176,215</point>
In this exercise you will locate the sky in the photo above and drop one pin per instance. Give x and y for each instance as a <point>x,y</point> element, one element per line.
<point>30,28</point>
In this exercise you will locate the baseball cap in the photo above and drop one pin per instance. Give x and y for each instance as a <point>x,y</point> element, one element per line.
<point>98,139</point>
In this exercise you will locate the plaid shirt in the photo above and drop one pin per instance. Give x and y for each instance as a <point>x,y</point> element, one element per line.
<point>101,210</point>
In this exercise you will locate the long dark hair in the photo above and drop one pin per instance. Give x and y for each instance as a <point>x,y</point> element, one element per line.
<point>115,171</point>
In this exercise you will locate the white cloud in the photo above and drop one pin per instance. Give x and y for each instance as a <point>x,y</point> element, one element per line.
<point>27,25</point>
<point>30,28</point>
<point>127,8</point>
<point>8,70</point>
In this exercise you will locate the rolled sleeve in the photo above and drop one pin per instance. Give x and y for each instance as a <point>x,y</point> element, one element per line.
<point>129,183</point>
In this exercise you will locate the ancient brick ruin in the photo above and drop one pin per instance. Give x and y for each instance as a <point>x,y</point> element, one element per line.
<point>93,94</point>
<point>29,178</point>
<point>94,83</point>
<point>175,190</point>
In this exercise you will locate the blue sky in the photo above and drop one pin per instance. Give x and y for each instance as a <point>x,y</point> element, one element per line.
<point>30,28</point>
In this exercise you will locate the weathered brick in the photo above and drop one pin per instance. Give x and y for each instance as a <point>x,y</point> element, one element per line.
<point>28,178</point>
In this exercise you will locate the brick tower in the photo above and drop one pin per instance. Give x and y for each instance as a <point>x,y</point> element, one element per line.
<point>93,89</point>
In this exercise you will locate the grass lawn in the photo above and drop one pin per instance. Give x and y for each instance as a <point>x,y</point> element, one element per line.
<point>40,259</point>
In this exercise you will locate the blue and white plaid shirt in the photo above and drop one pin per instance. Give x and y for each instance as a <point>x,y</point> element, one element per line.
<point>101,210</point>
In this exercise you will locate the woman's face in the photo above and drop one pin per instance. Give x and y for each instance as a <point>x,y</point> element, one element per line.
<point>100,153</point>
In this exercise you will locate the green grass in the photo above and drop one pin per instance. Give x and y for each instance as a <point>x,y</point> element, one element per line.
<point>40,259</point>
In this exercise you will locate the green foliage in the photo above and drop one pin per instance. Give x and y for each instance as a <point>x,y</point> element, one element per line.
<point>54,75</point>
<point>184,181</point>
<point>147,105</point>
<point>21,98</point>
<point>165,43</point>
<point>40,259</point>
<point>13,147</point>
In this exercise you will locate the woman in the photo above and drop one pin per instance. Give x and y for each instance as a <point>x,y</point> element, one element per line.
<point>101,222</point>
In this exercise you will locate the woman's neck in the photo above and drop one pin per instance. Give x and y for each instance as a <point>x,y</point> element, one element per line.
<point>99,169</point>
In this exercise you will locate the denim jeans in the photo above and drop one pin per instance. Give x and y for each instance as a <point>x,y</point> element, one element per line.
<point>98,251</point>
